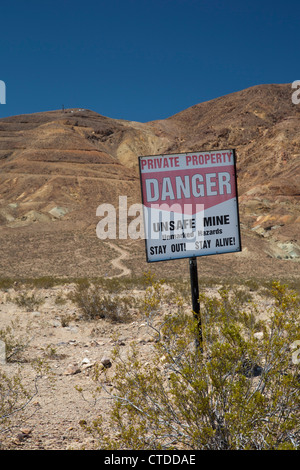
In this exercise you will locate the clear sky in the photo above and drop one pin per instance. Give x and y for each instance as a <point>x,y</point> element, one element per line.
<point>142,60</point>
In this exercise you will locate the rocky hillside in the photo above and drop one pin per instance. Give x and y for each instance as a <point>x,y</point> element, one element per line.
<point>57,167</point>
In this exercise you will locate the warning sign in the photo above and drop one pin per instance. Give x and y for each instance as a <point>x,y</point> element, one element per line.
<point>190,204</point>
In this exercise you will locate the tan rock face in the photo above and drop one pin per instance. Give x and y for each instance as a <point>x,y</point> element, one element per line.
<point>78,159</point>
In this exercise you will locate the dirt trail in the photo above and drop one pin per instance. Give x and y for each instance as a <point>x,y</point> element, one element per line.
<point>117,262</point>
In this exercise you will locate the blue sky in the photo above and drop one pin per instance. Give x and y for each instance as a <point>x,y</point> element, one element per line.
<point>142,60</point>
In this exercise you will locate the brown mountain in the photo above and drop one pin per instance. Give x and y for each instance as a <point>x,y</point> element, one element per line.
<point>57,167</point>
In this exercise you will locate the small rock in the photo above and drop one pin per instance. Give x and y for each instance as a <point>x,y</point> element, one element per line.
<point>145,339</point>
<point>72,369</point>
<point>26,431</point>
<point>87,366</point>
<point>23,434</point>
<point>259,335</point>
<point>73,329</point>
<point>85,361</point>
<point>36,314</point>
<point>106,361</point>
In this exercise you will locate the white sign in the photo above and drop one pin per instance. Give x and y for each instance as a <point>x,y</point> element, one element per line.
<point>190,204</point>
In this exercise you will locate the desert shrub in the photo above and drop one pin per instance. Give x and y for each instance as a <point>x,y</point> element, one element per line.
<point>16,340</point>
<point>28,301</point>
<point>60,300</point>
<point>17,397</point>
<point>6,283</point>
<point>44,282</point>
<point>238,391</point>
<point>13,397</point>
<point>94,304</point>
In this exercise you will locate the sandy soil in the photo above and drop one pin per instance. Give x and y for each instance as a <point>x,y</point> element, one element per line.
<point>51,419</point>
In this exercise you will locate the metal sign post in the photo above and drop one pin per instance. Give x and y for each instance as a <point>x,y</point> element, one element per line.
<point>195,298</point>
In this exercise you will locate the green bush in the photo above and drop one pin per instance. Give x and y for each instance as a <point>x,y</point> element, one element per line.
<point>15,344</point>
<point>13,397</point>
<point>238,391</point>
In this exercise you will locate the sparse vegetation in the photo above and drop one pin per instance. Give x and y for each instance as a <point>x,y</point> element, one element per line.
<point>94,304</point>
<point>239,391</point>
<point>16,395</point>
<point>13,397</point>
<point>27,301</point>
<point>15,343</point>
<point>16,398</point>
